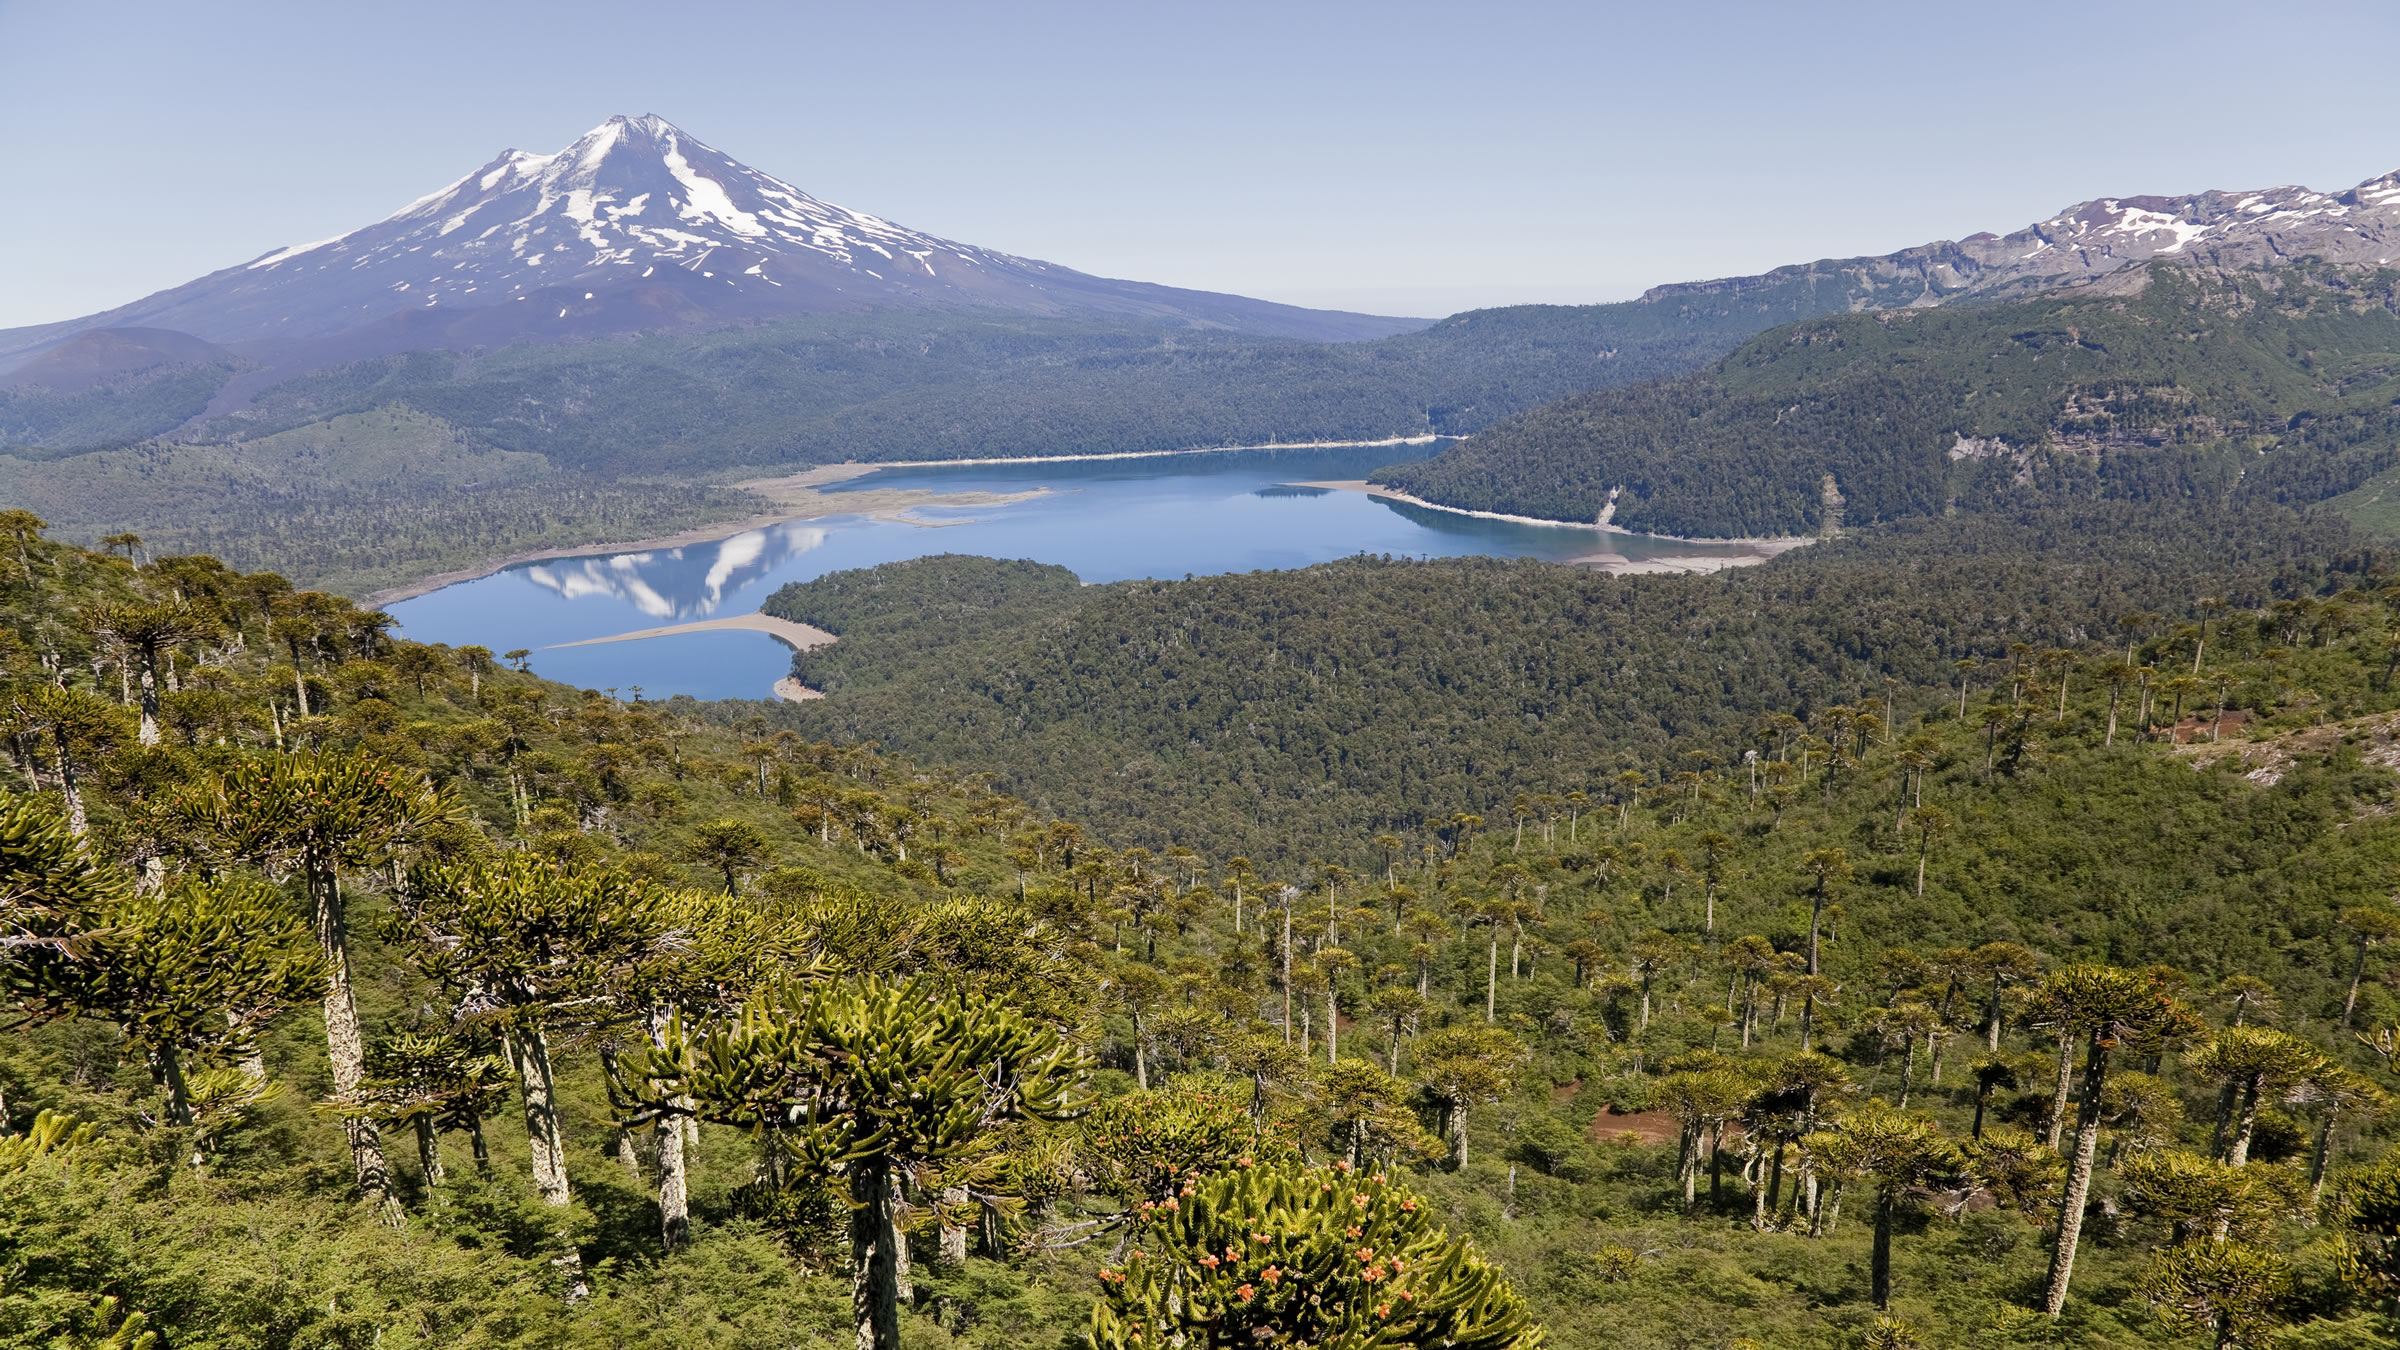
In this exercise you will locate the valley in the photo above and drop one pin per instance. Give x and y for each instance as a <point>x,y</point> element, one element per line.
<point>626,757</point>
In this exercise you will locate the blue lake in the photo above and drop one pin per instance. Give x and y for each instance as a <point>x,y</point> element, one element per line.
<point>1110,520</point>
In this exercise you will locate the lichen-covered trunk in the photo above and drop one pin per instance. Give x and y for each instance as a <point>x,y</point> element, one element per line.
<point>674,1180</point>
<point>78,823</point>
<point>951,1253</point>
<point>345,1043</point>
<point>674,1186</point>
<point>2059,1096</point>
<point>874,1265</point>
<point>429,1151</point>
<point>544,1140</point>
<point>2079,1177</point>
<point>546,1145</point>
<point>149,731</point>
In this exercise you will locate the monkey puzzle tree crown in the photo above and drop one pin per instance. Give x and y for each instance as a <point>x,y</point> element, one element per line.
<point>1324,1258</point>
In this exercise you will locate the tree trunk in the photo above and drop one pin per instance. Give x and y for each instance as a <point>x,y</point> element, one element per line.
<point>547,1145</point>
<point>1687,1165</point>
<point>149,732</point>
<point>2079,1177</point>
<point>874,1266</point>
<point>2058,1099</point>
<point>2320,1156</point>
<point>904,1286</point>
<point>1491,982</point>
<point>1287,970</point>
<point>1458,1136</point>
<point>2238,1152</point>
<point>345,1044</point>
<point>179,1094</point>
<point>622,1144</point>
<point>1879,1265</point>
<point>1333,1023</point>
<point>2358,968</point>
<point>674,1186</point>
<point>542,1133</point>
<point>429,1150</point>
<point>951,1255</point>
<point>78,824</point>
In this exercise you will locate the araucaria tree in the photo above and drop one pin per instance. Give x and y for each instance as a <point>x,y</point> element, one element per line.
<point>877,1078</point>
<point>322,814</point>
<point>523,943</point>
<point>2105,1009</point>
<point>1297,1256</point>
<point>1900,1156</point>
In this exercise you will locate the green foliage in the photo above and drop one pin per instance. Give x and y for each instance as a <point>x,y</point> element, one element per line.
<point>1320,1257</point>
<point>859,1069</point>
<point>2268,385</point>
<point>1371,695</point>
<point>1143,1147</point>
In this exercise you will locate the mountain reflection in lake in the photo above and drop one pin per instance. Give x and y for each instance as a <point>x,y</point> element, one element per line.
<point>1107,520</point>
<point>682,584</point>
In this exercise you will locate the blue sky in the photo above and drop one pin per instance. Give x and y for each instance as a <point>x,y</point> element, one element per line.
<point>1397,157</point>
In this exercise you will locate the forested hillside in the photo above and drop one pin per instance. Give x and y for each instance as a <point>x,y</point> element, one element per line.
<point>374,994</point>
<point>1266,710</point>
<point>530,447</point>
<point>2276,385</point>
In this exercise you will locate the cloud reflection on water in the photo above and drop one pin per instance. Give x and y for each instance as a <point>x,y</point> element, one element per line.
<point>680,583</point>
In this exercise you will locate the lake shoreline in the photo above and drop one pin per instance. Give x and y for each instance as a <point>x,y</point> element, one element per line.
<point>800,637</point>
<point>804,509</point>
<point>1615,564</point>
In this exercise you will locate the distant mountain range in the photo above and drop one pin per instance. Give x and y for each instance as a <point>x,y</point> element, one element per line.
<point>585,346</point>
<point>635,227</point>
<point>2082,245</point>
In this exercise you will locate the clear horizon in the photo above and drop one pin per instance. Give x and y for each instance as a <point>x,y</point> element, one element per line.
<point>1399,158</point>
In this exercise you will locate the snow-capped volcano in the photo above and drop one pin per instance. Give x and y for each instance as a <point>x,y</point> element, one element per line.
<point>630,198</point>
<point>635,226</point>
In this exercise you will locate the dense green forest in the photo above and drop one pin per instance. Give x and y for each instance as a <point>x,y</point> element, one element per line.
<point>2279,385</point>
<point>374,994</point>
<point>1270,709</point>
<point>387,470</point>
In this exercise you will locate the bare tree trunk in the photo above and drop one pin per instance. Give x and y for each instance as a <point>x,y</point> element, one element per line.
<point>951,1255</point>
<point>674,1186</point>
<point>429,1151</point>
<point>179,1095</point>
<point>77,823</point>
<point>2058,1098</point>
<point>874,1268</point>
<point>345,1044</point>
<point>904,1286</point>
<point>2079,1178</point>
<point>546,1144</point>
<point>1879,1263</point>
<point>149,732</point>
<point>1491,983</point>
